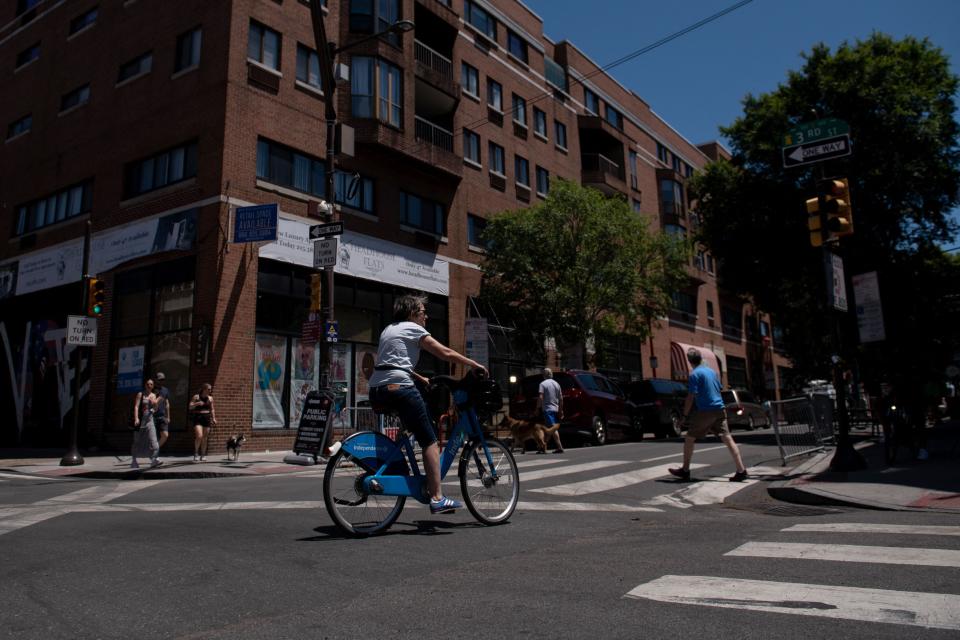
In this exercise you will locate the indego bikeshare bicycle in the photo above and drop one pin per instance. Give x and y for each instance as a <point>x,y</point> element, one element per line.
<point>367,481</point>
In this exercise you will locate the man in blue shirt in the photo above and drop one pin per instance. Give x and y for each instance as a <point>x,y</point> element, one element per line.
<point>710,417</point>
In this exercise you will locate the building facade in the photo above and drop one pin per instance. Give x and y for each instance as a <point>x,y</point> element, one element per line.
<point>146,125</point>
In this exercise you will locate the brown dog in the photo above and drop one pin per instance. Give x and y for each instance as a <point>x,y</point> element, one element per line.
<point>523,430</point>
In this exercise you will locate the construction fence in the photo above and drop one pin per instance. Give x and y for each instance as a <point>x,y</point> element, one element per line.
<point>802,425</point>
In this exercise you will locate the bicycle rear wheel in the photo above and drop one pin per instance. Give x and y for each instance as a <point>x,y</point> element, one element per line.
<point>491,498</point>
<point>355,511</point>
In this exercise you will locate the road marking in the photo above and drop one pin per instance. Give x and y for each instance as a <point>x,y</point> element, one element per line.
<point>680,454</point>
<point>850,553</point>
<point>542,462</point>
<point>862,527</point>
<point>103,492</point>
<point>701,493</point>
<point>23,476</point>
<point>935,610</point>
<point>607,483</point>
<point>573,468</point>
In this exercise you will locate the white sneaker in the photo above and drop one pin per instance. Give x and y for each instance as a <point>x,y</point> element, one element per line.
<point>923,454</point>
<point>156,463</point>
<point>332,450</point>
<point>195,458</point>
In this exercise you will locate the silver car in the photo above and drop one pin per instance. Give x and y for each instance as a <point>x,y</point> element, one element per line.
<point>743,410</point>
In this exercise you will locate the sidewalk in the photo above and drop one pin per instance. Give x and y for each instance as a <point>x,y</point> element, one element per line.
<point>931,485</point>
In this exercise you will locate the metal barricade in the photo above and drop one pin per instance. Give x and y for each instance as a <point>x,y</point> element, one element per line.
<point>352,419</point>
<point>802,425</point>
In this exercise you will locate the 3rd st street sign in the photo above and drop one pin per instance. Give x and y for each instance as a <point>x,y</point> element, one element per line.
<point>809,152</point>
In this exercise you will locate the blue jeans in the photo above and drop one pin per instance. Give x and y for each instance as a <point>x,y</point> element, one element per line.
<point>407,402</point>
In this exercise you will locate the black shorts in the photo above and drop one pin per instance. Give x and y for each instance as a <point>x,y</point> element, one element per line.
<point>202,419</point>
<point>161,423</point>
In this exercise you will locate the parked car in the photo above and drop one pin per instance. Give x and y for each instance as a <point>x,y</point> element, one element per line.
<point>743,410</point>
<point>594,406</point>
<point>658,405</point>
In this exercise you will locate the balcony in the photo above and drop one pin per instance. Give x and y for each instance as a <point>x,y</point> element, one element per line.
<point>436,70</point>
<point>438,148</point>
<point>434,150</point>
<point>600,172</point>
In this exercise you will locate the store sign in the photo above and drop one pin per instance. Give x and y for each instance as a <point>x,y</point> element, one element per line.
<point>173,232</point>
<point>477,346</point>
<point>43,269</point>
<point>130,369</point>
<point>255,224</point>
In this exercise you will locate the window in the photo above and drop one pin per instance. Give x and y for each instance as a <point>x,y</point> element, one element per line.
<point>496,160</point>
<point>470,79</point>
<point>263,46</point>
<point>613,117</point>
<point>633,169</point>
<point>308,67</point>
<point>543,181</point>
<point>561,134</point>
<point>687,170</point>
<point>709,263</point>
<point>591,102</point>
<point>519,110</point>
<point>375,16</point>
<point>75,98</point>
<point>480,19</point>
<point>353,190</point>
<point>475,228</point>
<point>662,153</point>
<point>671,198</point>
<point>66,203</point>
<point>19,127</point>
<point>139,66</point>
<point>555,74</point>
<point>285,167</point>
<point>28,55</point>
<point>539,122</point>
<point>494,94</point>
<point>636,205</point>
<point>376,89</point>
<point>710,316</point>
<point>83,21</point>
<point>685,302</point>
<point>188,50</point>
<point>160,170</point>
<point>517,46</point>
<point>471,146</point>
<point>25,5</point>
<point>732,320</point>
<point>522,171</point>
<point>677,165</point>
<point>422,214</point>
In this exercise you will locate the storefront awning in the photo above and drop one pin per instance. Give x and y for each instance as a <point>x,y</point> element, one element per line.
<point>679,365</point>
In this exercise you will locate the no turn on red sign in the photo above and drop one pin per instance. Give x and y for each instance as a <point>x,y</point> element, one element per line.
<point>82,331</point>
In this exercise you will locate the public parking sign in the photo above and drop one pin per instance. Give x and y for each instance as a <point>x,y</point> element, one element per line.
<point>82,331</point>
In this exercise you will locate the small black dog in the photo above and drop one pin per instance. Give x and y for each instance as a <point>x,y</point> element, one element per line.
<point>233,446</point>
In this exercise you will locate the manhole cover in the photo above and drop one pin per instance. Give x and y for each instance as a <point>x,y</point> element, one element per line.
<point>796,510</point>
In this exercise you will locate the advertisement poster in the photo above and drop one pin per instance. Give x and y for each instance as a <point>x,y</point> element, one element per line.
<point>270,361</point>
<point>477,347</point>
<point>366,359</point>
<point>304,378</point>
<point>130,369</point>
<point>340,379</point>
<point>866,293</point>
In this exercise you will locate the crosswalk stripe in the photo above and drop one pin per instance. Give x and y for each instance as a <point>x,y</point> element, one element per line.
<point>573,468</point>
<point>679,454</point>
<point>935,610</point>
<point>850,553</point>
<point>700,493</point>
<point>864,527</point>
<point>537,462</point>
<point>607,483</point>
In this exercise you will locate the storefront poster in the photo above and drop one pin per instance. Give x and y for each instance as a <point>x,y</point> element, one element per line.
<point>475,334</point>
<point>130,369</point>
<point>304,378</point>
<point>270,364</point>
<point>340,379</point>
<point>366,359</point>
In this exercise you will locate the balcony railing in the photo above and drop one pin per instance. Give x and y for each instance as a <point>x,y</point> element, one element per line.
<point>433,60</point>
<point>599,162</point>
<point>429,132</point>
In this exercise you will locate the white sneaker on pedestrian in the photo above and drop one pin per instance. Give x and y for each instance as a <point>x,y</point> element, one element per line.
<point>923,454</point>
<point>203,458</point>
<point>156,463</point>
<point>195,457</point>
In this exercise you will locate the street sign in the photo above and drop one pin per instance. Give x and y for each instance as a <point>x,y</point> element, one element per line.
<point>255,224</point>
<point>815,130</point>
<point>836,283</point>
<point>331,331</point>
<point>811,152</point>
<point>325,253</point>
<point>82,331</point>
<point>326,230</point>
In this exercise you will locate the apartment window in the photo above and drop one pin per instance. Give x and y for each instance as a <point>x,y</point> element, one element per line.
<point>160,170</point>
<point>20,126</point>
<point>517,46</point>
<point>662,153</point>
<point>188,50</point>
<point>539,122</point>
<point>422,214</point>
<point>495,159</point>
<point>480,19</point>
<point>675,230</point>
<point>590,101</point>
<point>495,94</point>
<point>376,90</point>
<point>83,21</point>
<point>263,45</point>
<point>375,16</point>
<point>677,165</point>
<point>353,190</point>
<point>75,98</point>
<point>671,198</point>
<point>614,117</point>
<point>471,146</point>
<point>561,134</point>
<point>28,55</point>
<point>634,182</point>
<point>732,320</point>
<point>711,319</point>
<point>636,205</point>
<point>686,302</point>
<point>25,5</point>
<point>61,205</point>
<point>139,66</point>
<point>543,181</point>
<point>519,110</point>
<point>687,170</point>
<point>475,228</point>
<point>555,74</point>
<point>470,79</point>
<point>701,261</point>
<point>710,266</point>
<point>308,67</point>
<point>286,167</point>
<point>522,171</point>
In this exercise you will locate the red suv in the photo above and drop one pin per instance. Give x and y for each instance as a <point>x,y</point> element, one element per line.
<point>594,406</point>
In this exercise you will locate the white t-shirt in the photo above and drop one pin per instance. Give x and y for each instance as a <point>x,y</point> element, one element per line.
<point>551,392</point>
<point>399,347</point>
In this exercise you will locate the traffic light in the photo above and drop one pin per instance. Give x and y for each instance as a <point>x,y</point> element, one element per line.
<point>315,291</point>
<point>96,297</point>
<point>815,222</point>
<point>834,196</point>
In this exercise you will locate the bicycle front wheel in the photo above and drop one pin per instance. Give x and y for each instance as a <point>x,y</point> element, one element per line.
<point>491,494</point>
<point>355,511</point>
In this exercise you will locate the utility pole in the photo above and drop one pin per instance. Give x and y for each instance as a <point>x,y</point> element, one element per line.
<point>73,457</point>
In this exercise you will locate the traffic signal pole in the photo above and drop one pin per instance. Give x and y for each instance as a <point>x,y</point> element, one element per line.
<point>72,457</point>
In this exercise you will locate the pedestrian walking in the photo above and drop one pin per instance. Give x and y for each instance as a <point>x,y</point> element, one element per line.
<point>710,417</point>
<point>145,437</point>
<point>203,416</point>
<point>551,404</point>
<point>161,418</point>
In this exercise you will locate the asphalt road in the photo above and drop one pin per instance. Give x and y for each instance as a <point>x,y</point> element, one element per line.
<point>260,558</point>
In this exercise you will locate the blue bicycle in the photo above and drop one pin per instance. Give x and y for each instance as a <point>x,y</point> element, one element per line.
<point>367,482</point>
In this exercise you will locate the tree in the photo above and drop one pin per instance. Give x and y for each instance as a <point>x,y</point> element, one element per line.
<point>897,97</point>
<point>578,266</point>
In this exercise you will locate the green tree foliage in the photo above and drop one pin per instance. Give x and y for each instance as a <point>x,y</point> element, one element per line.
<point>579,265</point>
<point>898,98</point>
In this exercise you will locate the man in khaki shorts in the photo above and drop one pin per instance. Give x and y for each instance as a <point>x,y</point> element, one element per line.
<point>711,417</point>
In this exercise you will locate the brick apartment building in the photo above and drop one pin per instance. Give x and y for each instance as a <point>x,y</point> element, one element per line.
<point>150,122</point>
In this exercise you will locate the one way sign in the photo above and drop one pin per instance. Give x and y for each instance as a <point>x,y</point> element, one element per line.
<point>811,152</point>
<point>327,230</point>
